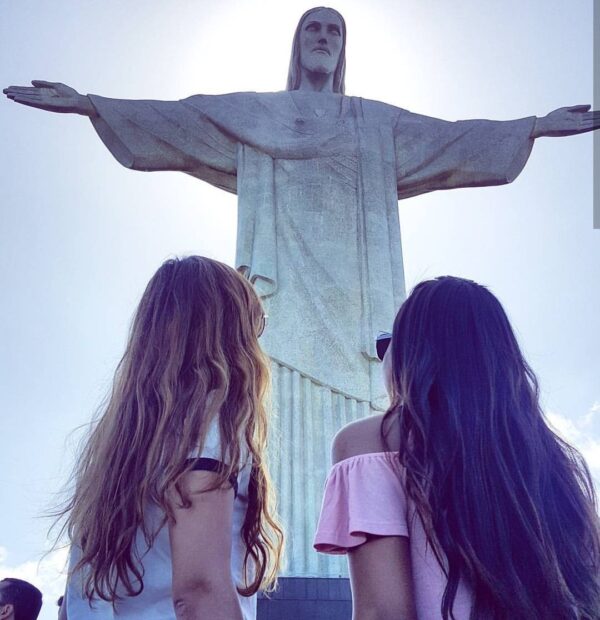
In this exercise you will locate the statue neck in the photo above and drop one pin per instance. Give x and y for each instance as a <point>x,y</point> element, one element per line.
<point>317,82</point>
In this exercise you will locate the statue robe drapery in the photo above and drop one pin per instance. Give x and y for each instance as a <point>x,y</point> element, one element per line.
<point>318,177</point>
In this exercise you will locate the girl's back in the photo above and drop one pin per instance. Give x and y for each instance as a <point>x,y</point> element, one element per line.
<point>506,507</point>
<point>147,505</point>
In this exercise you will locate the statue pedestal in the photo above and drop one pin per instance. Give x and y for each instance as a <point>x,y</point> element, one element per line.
<point>306,416</point>
<point>307,598</point>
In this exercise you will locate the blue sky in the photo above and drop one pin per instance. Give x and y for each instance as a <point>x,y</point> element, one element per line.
<point>80,235</point>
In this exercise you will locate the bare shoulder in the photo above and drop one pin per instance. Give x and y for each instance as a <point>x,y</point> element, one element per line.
<point>361,437</point>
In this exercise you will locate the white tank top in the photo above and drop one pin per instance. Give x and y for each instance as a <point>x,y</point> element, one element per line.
<point>155,602</point>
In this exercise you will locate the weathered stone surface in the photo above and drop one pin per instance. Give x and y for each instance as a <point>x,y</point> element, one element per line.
<point>307,598</point>
<point>318,177</point>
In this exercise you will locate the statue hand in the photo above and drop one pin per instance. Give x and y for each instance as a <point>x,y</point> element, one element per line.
<point>51,96</point>
<point>567,122</point>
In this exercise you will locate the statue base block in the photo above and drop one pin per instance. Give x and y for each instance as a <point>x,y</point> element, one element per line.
<point>307,598</point>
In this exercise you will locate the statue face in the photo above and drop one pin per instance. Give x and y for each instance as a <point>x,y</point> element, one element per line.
<point>320,42</point>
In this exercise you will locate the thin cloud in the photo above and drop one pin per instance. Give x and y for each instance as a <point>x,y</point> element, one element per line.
<point>583,433</point>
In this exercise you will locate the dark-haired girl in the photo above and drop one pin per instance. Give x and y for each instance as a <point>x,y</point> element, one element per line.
<point>460,502</point>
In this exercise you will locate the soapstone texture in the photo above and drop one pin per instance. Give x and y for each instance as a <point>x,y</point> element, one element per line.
<point>318,176</point>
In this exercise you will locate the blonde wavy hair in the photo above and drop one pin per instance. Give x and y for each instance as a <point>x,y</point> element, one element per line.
<point>195,333</point>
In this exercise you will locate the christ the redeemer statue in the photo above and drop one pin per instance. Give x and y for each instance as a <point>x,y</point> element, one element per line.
<point>318,175</point>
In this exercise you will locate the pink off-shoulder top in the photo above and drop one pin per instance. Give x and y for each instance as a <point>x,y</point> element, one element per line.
<point>364,495</point>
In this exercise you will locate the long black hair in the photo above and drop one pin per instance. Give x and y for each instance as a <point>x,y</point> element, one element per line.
<point>507,505</point>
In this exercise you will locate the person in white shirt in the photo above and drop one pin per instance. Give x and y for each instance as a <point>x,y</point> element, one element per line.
<point>172,517</point>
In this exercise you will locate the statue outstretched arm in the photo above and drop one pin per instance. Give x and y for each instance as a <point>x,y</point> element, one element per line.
<point>567,122</point>
<point>434,154</point>
<point>146,135</point>
<point>52,97</point>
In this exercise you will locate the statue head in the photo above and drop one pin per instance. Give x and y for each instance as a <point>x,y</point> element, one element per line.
<point>320,47</point>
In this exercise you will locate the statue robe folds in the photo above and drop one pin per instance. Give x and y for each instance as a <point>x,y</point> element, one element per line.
<point>318,177</point>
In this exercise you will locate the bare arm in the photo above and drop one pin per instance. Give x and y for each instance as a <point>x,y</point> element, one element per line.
<point>381,579</point>
<point>567,122</point>
<point>201,552</point>
<point>380,568</point>
<point>53,97</point>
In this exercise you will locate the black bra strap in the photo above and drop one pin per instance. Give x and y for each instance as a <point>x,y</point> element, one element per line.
<point>204,464</point>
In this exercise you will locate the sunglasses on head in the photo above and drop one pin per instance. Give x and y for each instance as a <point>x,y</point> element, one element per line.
<point>382,342</point>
